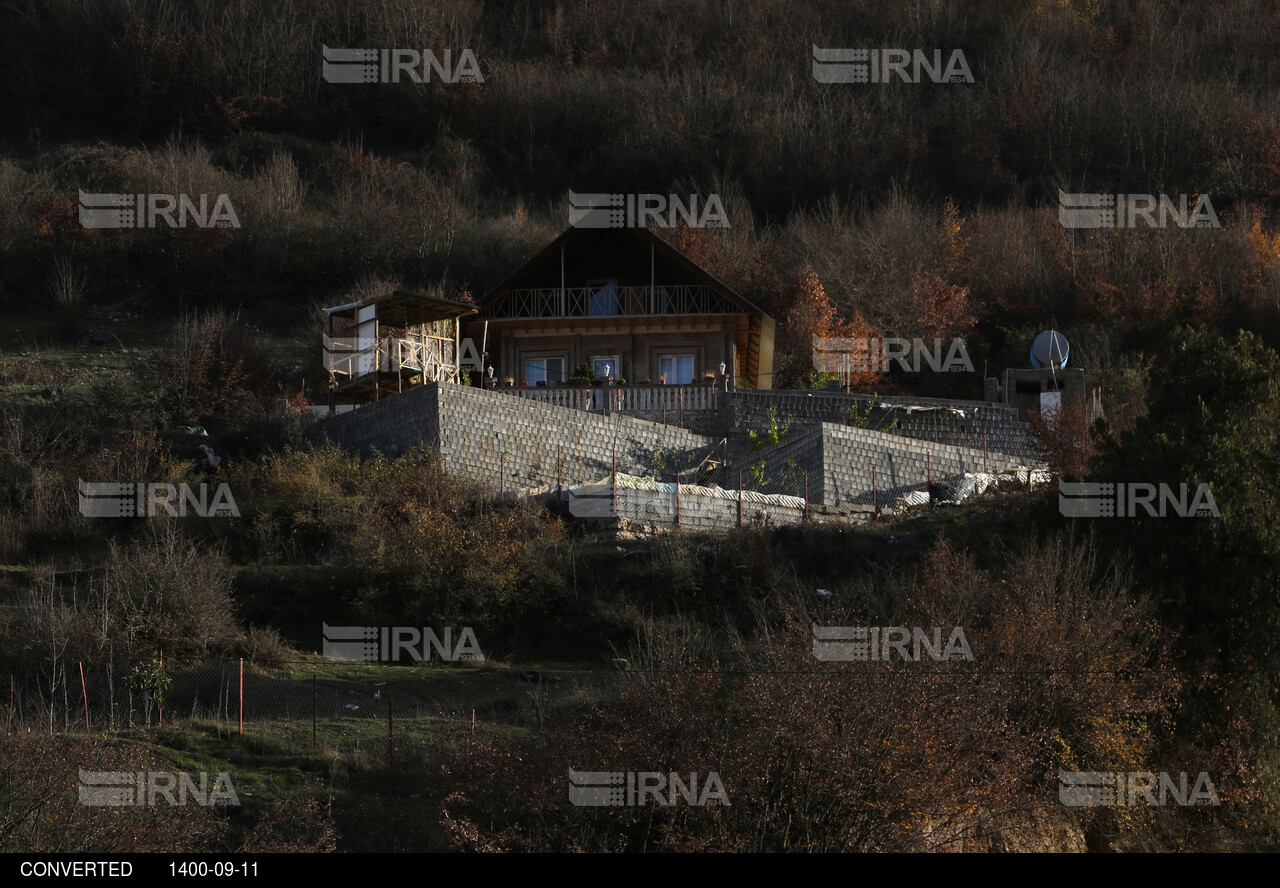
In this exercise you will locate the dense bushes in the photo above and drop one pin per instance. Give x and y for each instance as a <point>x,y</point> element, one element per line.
<point>882,193</point>
<point>832,756</point>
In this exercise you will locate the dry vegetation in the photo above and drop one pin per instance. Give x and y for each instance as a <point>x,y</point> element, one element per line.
<point>904,210</point>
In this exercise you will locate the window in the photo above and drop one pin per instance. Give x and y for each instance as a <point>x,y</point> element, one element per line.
<point>543,370</point>
<point>604,298</point>
<point>677,368</point>
<point>605,366</point>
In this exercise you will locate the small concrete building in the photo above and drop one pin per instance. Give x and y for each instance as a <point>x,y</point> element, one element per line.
<point>1037,392</point>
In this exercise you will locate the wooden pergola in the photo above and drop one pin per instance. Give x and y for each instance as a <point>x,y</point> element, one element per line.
<point>385,344</point>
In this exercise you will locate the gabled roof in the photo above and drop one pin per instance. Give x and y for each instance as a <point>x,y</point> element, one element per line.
<point>405,308</point>
<point>643,238</point>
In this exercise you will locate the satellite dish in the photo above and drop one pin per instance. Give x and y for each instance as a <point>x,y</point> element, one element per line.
<point>1050,350</point>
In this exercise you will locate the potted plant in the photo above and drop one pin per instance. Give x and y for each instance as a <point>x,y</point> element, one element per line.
<point>510,382</point>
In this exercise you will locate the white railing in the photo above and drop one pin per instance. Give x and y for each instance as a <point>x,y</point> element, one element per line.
<point>584,302</point>
<point>433,356</point>
<point>671,401</point>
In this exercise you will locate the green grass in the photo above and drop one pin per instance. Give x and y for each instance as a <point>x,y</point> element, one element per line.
<point>351,764</point>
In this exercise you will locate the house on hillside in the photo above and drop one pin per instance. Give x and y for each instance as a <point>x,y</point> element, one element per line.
<point>628,303</point>
<point>384,344</point>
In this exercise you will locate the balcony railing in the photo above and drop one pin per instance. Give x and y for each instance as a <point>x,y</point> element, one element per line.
<point>660,403</point>
<point>589,302</point>
<point>433,356</point>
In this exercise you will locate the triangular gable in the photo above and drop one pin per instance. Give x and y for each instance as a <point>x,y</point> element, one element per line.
<point>642,239</point>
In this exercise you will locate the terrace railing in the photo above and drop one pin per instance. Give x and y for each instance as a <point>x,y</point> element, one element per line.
<point>586,302</point>
<point>670,404</point>
<point>433,356</point>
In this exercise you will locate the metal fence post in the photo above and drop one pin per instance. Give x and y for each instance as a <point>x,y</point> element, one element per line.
<point>242,696</point>
<point>677,498</point>
<point>313,712</point>
<point>391,730</point>
<point>873,492</point>
<point>613,486</point>
<point>739,497</point>
<point>806,496</point>
<point>502,477</point>
<point>85,693</point>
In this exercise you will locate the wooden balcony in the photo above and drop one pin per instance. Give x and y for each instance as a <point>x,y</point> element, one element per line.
<point>390,365</point>
<point>616,302</point>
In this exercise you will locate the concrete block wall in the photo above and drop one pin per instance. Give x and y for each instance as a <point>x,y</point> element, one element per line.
<point>784,463</point>
<point>477,428</point>
<point>900,463</point>
<point>392,425</point>
<point>522,444</point>
<point>516,442</point>
<point>1006,435</point>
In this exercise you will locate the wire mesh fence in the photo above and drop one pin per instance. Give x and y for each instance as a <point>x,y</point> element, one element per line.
<point>301,706</point>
